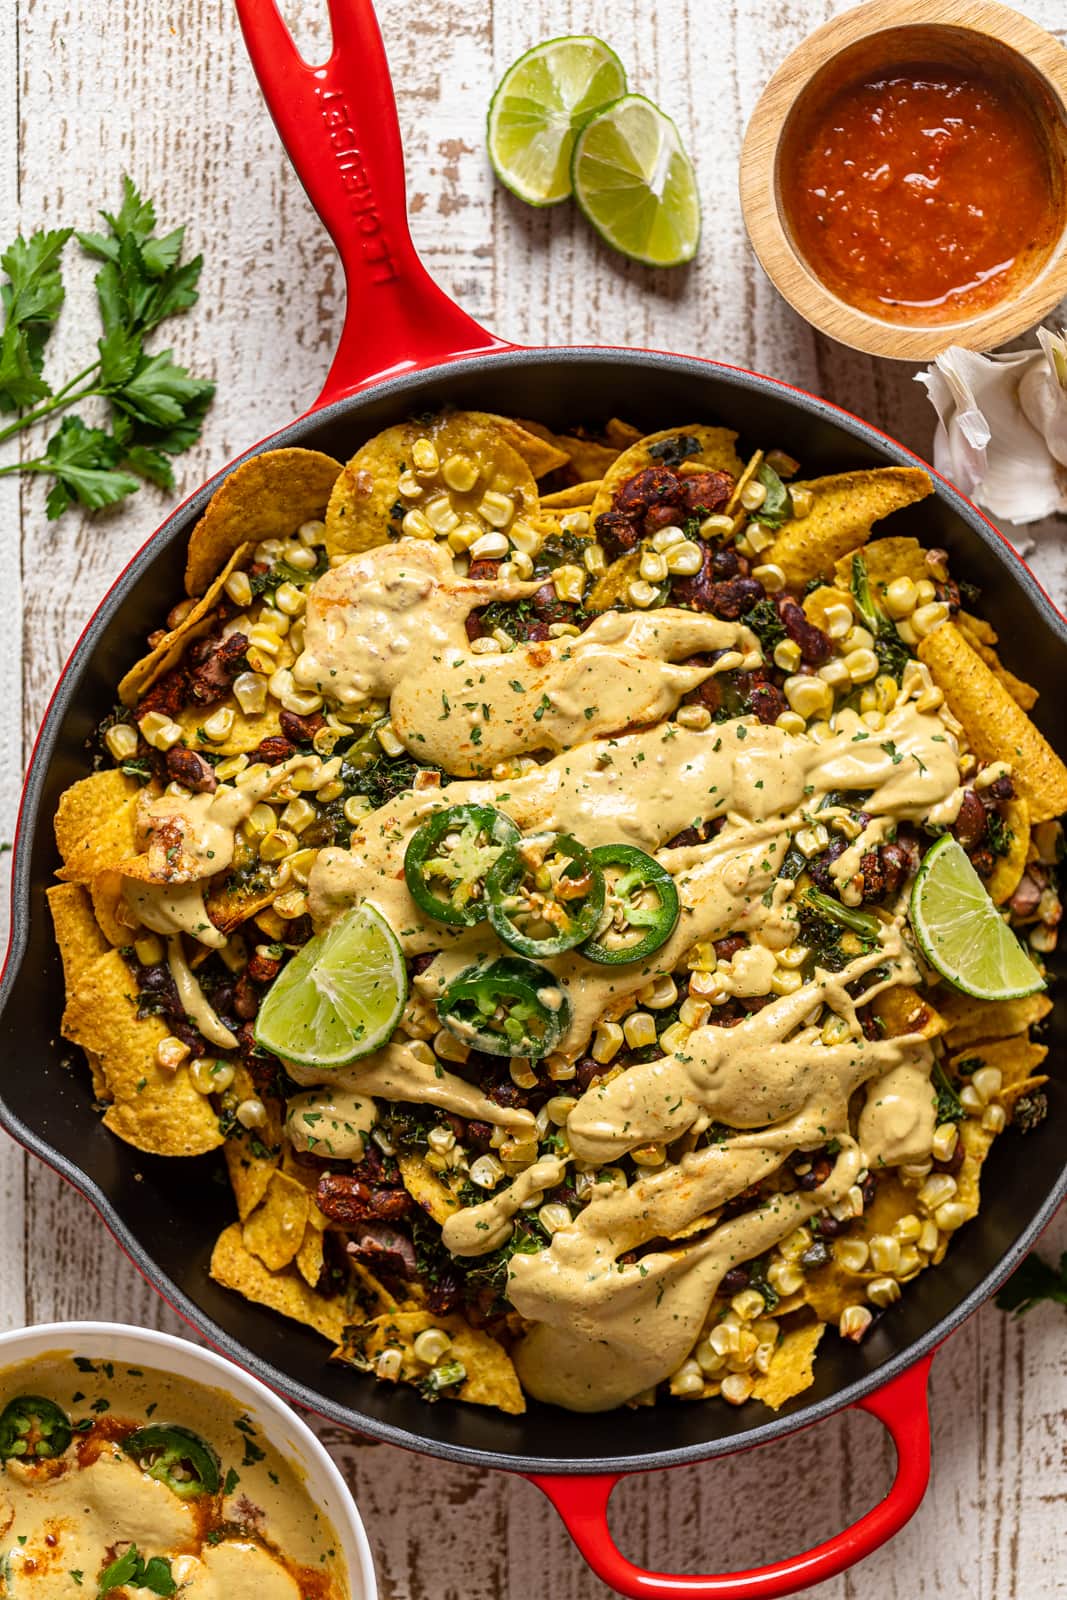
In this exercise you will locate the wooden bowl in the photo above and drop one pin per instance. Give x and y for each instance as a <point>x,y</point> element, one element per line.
<point>968,34</point>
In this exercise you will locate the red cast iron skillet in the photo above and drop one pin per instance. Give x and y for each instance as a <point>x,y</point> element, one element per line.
<point>407,348</point>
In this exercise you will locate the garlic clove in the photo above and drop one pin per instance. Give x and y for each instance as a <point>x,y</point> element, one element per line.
<point>995,450</point>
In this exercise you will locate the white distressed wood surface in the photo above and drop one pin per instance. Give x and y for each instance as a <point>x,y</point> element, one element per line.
<point>89,88</point>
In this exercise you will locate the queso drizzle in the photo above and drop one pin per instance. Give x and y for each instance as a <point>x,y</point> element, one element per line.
<point>103,1518</point>
<point>746,1084</point>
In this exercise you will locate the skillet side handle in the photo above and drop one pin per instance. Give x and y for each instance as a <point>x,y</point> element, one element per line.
<point>901,1406</point>
<point>338,124</point>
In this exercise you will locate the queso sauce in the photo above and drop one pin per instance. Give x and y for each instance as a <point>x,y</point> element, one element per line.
<point>66,1521</point>
<point>924,194</point>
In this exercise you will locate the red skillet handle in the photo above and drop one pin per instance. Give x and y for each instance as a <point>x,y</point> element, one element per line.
<point>901,1405</point>
<point>338,124</point>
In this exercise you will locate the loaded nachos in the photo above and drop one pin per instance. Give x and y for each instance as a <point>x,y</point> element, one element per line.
<point>595,898</point>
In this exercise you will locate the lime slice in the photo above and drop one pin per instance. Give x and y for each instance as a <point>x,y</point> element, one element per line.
<point>961,932</point>
<point>539,105</point>
<point>635,183</point>
<point>340,997</point>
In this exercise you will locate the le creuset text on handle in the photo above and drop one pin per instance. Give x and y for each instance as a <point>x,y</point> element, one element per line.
<point>338,124</point>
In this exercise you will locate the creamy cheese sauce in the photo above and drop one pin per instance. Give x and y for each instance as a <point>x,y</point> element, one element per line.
<point>64,1522</point>
<point>390,624</point>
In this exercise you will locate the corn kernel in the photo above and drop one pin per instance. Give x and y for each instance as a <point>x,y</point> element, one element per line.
<point>883,1291</point>
<point>854,1322</point>
<point>785,1277</point>
<point>486,1172</point>
<point>943,1144</point>
<point>251,1113</point>
<point>491,546</point>
<point>685,559</point>
<point>835,1030</point>
<point>522,1073</point>
<point>938,1188</point>
<point>298,815</point>
<point>239,588</point>
<point>926,618</point>
<point>803,500</point>
<point>639,1030</point>
<point>753,494</point>
<point>994,1119</point>
<point>277,845</point>
<point>835,672</point>
<point>928,1237</point>
<point>607,1043</point>
<point>388,740</point>
<point>553,1217</point>
<point>460,473</point>
<point>250,692</point>
<point>696,717</point>
<point>496,509</point>
<point>415,525</point>
<point>987,1082</point>
<point>694,1013</point>
<point>424,456</point>
<point>900,598</point>
<point>292,904</point>
<point>440,515</point>
<point>641,594</point>
<point>653,566</point>
<point>389,1364</point>
<point>660,993</point>
<point>121,741</point>
<point>170,1053</point>
<point>862,665</point>
<point>790,722</point>
<point>749,1305</point>
<point>524,537</point>
<point>837,620</point>
<point>355,808</point>
<point>809,696</point>
<point>852,1254</point>
<point>787,655</point>
<point>737,1388</point>
<point>687,1381</point>
<point>431,1344</point>
<point>219,725</point>
<point>569,582</point>
<point>786,982</point>
<point>885,1252</point>
<point>952,1215</point>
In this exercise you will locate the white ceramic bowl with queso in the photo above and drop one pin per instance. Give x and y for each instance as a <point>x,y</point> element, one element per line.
<point>112,1362</point>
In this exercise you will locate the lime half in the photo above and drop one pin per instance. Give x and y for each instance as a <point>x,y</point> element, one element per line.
<point>635,183</point>
<point>539,105</point>
<point>961,932</point>
<point>340,997</point>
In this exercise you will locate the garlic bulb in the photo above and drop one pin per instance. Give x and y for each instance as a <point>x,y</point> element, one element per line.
<point>1002,426</point>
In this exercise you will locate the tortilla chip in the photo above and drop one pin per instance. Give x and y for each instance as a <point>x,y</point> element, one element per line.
<point>94,824</point>
<point>612,585</point>
<point>115,917</point>
<point>426,1188</point>
<point>751,467</point>
<point>311,1256</point>
<point>235,1267</point>
<point>578,497</point>
<point>1008,870</point>
<point>252,1157</point>
<point>903,1010</point>
<point>817,603</point>
<point>844,506</point>
<point>968,1020</point>
<point>490,1380</point>
<point>981,638</point>
<point>78,934</point>
<point>267,497</point>
<point>621,434</point>
<point>373,1298</point>
<point>996,728</point>
<point>364,507</point>
<point>170,649</point>
<point>156,1111</point>
<point>247,731</point>
<point>885,559</point>
<point>1016,1057</point>
<point>792,1366</point>
<point>716,453</point>
<point>541,450</point>
<point>275,1230</point>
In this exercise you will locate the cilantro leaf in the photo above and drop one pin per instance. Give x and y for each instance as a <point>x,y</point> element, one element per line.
<point>131,1568</point>
<point>31,300</point>
<point>158,391</point>
<point>1033,1282</point>
<point>85,464</point>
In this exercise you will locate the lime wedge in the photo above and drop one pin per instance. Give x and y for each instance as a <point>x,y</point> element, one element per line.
<point>539,105</point>
<point>961,932</point>
<point>340,997</point>
<point>635,183</point>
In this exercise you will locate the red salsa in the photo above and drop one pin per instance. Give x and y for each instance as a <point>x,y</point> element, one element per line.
<point>921,194</point>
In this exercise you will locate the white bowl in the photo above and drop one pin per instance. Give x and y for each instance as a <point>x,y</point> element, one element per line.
<point>117,1341</point>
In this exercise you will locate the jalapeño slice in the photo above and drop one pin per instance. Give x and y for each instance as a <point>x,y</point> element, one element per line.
<point>33,1429</point>
<point>545,895</point>
<point>509,1008</point>
<point>449,858</point>
<point>641,908</point>
<point>177,1457</point>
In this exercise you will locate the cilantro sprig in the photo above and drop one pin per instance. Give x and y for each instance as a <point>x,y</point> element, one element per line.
<point>155,408</point>
<point>1035,1280</point>
<point>131,1568</point>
